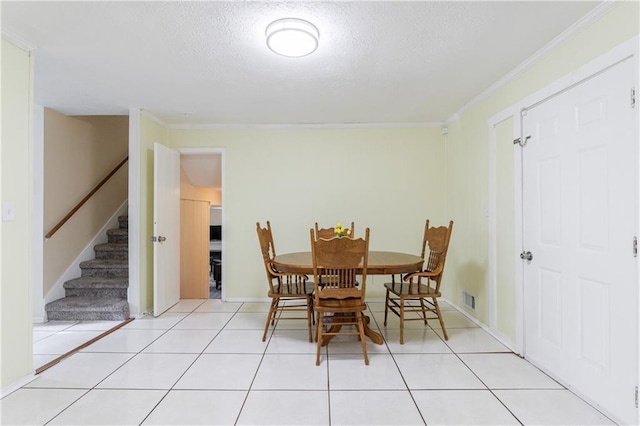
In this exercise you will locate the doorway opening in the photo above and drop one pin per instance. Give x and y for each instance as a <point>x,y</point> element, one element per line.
<point>201,228</point>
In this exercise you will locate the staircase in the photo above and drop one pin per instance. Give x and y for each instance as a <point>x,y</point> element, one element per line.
<point>101,291</point>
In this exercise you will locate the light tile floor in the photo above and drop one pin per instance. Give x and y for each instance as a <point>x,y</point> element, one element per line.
<point>204,362</point>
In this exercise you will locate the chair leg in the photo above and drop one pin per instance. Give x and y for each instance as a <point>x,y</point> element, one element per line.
<point>363,342</point>
<point>424,310</point>
<point>319,336</point>
<point>386,307</point>
<point>401,320</point>
<point>444,331</point>
<point>309,318</point>
<point>270,317</point>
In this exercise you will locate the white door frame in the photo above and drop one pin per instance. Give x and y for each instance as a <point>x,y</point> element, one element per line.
<point>134,204</point>
<point>626,50</point>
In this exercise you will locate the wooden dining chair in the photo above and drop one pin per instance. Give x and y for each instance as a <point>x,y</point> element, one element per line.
<point>423,250</point>
<point>340,300</point>
<point>328,233</point>
<point>288,292</point>
<point>418,292</point>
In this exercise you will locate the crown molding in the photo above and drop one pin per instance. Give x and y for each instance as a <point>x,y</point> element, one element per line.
<point>594,15</point>
<point>153,118</point>
<point>304,126</point>
<point>18,41</point>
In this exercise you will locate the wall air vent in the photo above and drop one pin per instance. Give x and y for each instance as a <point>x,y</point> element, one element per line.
<point>469,300</point>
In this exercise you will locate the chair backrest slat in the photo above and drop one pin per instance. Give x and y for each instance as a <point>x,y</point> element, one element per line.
<point>337,262</point>
<point>436,240</point>
<point>328,233</point>
<point>277,281</point>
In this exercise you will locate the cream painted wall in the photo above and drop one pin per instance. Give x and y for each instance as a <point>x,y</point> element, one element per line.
<point>16,338</point>
<point>389,179</point>
<point>150,132</point>
<point>78,153</point>
<point>467,158</point>
<point>505,249</point>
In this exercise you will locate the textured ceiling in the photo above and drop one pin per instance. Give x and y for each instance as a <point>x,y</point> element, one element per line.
<point>378,62</point>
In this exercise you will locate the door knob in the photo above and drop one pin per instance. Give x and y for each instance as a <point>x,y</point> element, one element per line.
<point>161,238</point>
<point>526,255</point>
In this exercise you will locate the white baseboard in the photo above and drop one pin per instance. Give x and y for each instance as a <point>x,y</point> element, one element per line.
<point>16,385</point>
<point>498,336</point>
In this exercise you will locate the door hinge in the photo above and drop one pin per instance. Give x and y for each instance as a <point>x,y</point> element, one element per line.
<point>636,397</point>
<point>154,239</point>
<point>633,97</point>
<point>635,246</point>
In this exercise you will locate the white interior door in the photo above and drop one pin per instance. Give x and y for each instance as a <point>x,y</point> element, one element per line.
<point>166,228</point>
<point>580,218</point>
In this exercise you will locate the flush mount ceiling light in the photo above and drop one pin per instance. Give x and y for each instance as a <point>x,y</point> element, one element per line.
<point>292,37</point>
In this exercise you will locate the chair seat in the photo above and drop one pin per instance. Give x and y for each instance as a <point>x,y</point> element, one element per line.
<point>292,290</point>
<point>284,287</point>
<point>342,305</point>
<point>410,290</point>
<point>421,286</point>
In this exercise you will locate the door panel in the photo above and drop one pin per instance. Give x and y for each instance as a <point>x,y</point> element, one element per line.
<point>166,228</point>
<point>579,218</point>
<point>194,250</point>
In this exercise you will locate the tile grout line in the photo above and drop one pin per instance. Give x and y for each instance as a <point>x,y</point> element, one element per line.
<point>192,363</point>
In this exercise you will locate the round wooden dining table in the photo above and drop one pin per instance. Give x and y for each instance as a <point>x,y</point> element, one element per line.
<point>379,263</point>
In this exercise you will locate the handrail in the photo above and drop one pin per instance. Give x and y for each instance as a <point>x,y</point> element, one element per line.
<point>85,199</point>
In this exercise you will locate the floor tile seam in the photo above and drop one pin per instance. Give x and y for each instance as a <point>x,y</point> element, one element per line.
<point>68,406</point>
<point>154,407</point>
<point>372,390</point>
<point>136,354</point>
<point>197,357</point>
<point>564,389</point>
<point>95,387</point>
<point>253,379</point>
<point>490,390</point>
<point>415,403</point>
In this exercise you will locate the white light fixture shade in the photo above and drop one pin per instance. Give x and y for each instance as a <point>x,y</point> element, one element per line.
<point>292,37</point>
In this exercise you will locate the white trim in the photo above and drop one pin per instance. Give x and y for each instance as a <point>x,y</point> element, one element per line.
<point>37,296</point>
<point>306,126</point>
<point>246,300</point>
<point>594,15</point>
<point>18,41</point>
<point>492,243</point>
<point>621,52</point>
<point>12,387</point>
<point>518,239</point>
<point>496,334</point>
<point>147,114</point>
<point>134,212</point>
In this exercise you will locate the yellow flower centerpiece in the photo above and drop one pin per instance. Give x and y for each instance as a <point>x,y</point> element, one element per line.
<point>340,231</point>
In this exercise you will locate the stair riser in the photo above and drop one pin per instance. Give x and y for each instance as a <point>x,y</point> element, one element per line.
<point>118,239</point>
<point>87,316</point>
<point>93,297</point>
<point>120,293</point>
<point>105,272</point>
<point>120,255</point>
<point>124,223</point>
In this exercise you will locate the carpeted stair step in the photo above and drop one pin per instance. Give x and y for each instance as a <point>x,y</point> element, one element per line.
<point>105,268</point>
<point>124,222</point>
<point>97,287</point>
<point>88,309</point>
<point>118,236</point>
<point>112,251</point>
